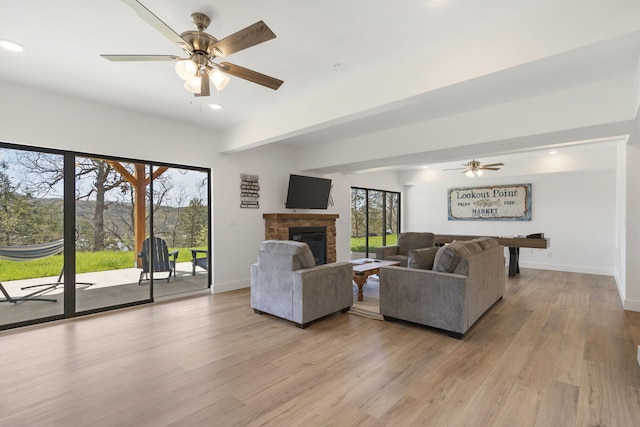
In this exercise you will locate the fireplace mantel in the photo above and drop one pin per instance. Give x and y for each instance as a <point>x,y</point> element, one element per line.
<point>285,216</point>
<point>277,226</point>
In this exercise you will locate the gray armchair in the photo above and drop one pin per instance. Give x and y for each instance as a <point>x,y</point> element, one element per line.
<point>406,242</point>
<point>285,282</point>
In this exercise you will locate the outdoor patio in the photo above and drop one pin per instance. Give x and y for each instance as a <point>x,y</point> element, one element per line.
<point>107,288</point>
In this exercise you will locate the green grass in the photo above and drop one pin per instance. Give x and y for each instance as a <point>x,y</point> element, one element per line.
<point>86,262</point>
<point>358,244</point>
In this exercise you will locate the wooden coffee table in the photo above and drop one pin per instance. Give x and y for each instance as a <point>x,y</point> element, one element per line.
<point>362,271</point>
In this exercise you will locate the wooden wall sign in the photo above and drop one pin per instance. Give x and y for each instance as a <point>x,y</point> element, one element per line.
<point>496,203</point>
<point>249,191</point>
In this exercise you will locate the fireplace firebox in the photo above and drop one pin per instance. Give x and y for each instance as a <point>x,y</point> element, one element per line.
<point>315,237</point>
<point>277,225</point>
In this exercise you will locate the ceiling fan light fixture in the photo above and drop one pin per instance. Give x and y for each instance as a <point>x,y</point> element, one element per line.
<point>470,173</point>
<point>219,79</point>
<point>193,85</point>
<point>186,69</point>
<point>479,172</point>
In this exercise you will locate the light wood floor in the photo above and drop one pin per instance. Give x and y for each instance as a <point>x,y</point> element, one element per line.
<point>557,351</point>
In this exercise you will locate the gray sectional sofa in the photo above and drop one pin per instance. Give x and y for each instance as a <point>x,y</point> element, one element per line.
<point>448,288</point>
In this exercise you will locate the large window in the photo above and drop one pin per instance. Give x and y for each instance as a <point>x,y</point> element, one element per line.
<point>80,234</point>
<point>375,220</point>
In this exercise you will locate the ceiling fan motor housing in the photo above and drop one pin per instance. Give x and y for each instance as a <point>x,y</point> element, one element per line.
<point>201,42</point>
<point>200,20</point>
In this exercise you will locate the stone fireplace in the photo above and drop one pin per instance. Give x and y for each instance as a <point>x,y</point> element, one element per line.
<point>277,227</point>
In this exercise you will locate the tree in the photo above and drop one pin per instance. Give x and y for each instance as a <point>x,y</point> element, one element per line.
<point>375,225</point>
<point>193,222</point>
<point>358,212</point>
<point>94,178</point>
<point>105,179</point>
<point>23,220</point>
<point>393,206</point>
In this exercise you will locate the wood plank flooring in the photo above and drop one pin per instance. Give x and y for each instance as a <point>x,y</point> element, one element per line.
<point>559,350</point>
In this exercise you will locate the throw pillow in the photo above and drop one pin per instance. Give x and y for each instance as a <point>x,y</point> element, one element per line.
<point>461,247</point>
<point>305,256</point>
<point>473,248</point>
<point>446,259</point>
<point>422,258</point>
<point>486,242</point>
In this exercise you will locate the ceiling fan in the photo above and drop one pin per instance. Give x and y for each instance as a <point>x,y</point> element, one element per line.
<point>474,168</point>
<point>202,49</point>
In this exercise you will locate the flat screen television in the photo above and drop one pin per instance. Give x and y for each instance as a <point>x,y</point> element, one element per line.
<point>307,192</point>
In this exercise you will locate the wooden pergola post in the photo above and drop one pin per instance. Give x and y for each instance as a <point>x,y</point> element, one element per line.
<point>139,210</point>
<point>139,182</point>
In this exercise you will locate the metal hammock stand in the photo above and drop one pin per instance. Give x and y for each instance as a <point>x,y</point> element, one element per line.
<point>29,253</point>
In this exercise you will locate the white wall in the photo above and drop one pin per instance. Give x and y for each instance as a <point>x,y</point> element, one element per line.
<point>238,232</point>
<point>576,210</point>
<point>621,218</point>
<point>45,119</point>
<point>632,272</point>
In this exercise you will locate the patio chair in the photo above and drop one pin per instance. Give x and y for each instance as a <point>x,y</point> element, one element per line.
<point>202,262</point>
<point>161,259</point>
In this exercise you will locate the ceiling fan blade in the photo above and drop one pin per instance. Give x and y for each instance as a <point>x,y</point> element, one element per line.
<point>494,164</point>
<point>158,24</point>
<point>119,58</point>
<point>252,76</point>
<point>488,169</point>
<point>204,85</point>
<point>250,36</point>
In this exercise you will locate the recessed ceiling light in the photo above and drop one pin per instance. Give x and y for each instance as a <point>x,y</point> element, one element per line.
<point>553,152</point>
<point>215,106</point>
<point>425,167</point>
<point>11,46</point>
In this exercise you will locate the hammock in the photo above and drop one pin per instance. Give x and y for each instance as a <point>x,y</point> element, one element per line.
<point>29,253</point>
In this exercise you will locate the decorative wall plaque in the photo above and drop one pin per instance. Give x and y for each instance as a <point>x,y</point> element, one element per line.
<point>249,191</point>
<point>496,203</point>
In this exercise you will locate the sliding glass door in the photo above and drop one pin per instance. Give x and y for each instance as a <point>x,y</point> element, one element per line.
<point>110,209</point>
<point>81,234</point>
<point>375,220</point>
<point>31,236</point>
<point>180,220</point>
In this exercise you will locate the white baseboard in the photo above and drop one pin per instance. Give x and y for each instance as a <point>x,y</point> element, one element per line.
<point>631,305</point>
<point>230,286</point>
<point>619,286</point>
<point>568,268</point>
